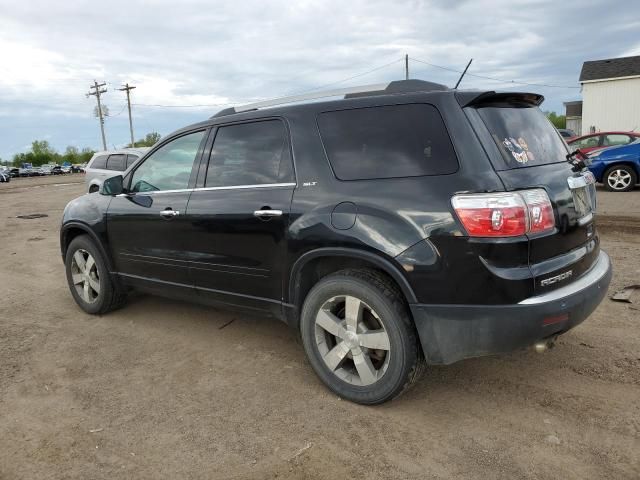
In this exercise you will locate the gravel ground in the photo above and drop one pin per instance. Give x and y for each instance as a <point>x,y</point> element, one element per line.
<point>159,389</point>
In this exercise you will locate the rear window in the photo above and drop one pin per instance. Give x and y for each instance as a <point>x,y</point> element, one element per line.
<point>100,162</point>
<point>387,142</point>
<point>524,136</point>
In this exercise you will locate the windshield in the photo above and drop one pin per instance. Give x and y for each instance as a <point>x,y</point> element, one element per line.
<point>524,136</point>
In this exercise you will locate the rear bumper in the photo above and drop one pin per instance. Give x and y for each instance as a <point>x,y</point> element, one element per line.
<point>450,333</point>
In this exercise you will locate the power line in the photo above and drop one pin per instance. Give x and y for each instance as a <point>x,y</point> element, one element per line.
<point>97,90</point>
<point>349,78</point>
<point>492,78</point>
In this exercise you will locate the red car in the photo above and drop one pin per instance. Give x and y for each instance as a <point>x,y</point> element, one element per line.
<point>586,143</point>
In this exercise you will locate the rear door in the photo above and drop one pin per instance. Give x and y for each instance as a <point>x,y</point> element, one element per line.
<point>147,226</point>
<point>238,219</point>
<point>527,152</point>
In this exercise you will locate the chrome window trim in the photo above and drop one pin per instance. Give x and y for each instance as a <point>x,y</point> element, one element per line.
<point>205,189</point>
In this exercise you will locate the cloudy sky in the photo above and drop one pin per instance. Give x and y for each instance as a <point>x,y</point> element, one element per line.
<point>193,57</point>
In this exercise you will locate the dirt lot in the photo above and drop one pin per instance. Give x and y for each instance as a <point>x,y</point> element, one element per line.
<point>160,390</point>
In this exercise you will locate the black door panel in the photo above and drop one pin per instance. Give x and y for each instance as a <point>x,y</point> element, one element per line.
<point>233,250</point>
<point>146,244</point>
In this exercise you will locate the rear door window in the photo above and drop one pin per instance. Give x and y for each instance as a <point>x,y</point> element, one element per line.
<point>524,136</point>
<point>116,162</point>
<point>387,142</point>
<point>255,153</point>
<point>100,162</point>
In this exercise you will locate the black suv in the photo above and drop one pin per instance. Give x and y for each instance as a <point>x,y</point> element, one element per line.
<point>394,226</point>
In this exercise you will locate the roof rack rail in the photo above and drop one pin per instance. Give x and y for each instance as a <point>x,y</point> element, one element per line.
<point>401,86</point>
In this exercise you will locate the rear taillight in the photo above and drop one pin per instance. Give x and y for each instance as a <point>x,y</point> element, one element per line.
<point>507,214</point>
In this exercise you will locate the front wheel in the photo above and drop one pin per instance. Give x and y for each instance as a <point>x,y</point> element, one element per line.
<point>89,279</point>
<point>620,178</point>
<point>359,338</point>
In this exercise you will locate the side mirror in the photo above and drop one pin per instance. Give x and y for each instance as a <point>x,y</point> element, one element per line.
<point>112,186</point>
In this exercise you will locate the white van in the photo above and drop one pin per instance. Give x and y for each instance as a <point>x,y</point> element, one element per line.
<point>110,163</point>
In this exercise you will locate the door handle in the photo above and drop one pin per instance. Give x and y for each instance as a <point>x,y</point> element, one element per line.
<point>169,213</point>
<point>267,213</point>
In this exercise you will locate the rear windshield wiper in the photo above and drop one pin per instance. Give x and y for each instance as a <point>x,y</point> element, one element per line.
<point>577,160</point>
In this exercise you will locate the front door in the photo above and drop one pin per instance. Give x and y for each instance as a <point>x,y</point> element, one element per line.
<point>147,226</point>
<point>239,218</point>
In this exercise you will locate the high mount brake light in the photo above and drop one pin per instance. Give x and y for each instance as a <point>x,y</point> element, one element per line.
<point>505,214</point>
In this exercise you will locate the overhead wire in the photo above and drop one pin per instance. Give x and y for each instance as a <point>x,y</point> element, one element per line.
<point>486,77</point>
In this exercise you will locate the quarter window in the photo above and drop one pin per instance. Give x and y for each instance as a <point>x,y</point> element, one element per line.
<point>250,154</point>
<point>169,167</point>
<point>387,142</point>
<point>116,162</point>
<point>131,159</point>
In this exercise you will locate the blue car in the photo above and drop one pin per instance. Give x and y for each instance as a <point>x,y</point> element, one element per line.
<point>618,168</point>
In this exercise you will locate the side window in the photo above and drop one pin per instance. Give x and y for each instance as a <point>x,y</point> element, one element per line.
<point>116,162</point>
<point>250,154</point>
<point>131,159</point>
<point>169,167</point>
<point>616,139</point>
<point>386,142</point>
<point>100,162</point>
<point>587,142</point>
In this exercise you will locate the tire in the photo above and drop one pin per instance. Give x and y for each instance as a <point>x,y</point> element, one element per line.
<point>620,178</point>
<point>100,295</point>
<point>395,365</point>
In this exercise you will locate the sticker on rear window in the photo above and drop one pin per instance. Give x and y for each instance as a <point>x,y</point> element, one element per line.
<point>516,149</point>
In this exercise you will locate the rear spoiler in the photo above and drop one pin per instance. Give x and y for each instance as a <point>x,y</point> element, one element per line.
<point>478,98</point>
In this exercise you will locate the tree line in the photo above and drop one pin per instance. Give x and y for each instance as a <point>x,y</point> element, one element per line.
<point>42,153</point>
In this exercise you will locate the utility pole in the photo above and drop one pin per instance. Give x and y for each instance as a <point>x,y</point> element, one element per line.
<point>96,89</point>
<point>406,66</point>
<point>127,88</point>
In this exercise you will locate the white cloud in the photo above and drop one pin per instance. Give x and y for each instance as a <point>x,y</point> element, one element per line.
<point>201,52</point>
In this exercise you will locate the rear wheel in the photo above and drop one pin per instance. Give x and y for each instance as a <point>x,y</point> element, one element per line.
<point>89,279</point>
<point>359,338</point>
<point>620,178</point>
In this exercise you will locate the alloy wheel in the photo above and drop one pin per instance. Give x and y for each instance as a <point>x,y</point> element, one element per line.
<point>85,276</point>
<point>352,340</point>
<point>619,179</point>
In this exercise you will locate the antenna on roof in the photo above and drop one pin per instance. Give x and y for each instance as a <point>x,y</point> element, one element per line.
<point>465,71</point>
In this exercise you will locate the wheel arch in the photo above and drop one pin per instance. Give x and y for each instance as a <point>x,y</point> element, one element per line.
<point>635,166</point>
<point>71,230</point>
<point>315,264</point>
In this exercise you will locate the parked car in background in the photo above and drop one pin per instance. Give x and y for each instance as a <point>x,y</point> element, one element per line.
<point>5,175</point>
<point>109,163</point>
<point>592,141</point>
<point>57,170</point>
<point>15,172</point>
<point>400,224</point>
<point>618,168</point>
<point>78,168</point>
<point>567,133</point>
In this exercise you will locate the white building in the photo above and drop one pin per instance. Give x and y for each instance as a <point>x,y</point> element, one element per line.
<point>610,95</point>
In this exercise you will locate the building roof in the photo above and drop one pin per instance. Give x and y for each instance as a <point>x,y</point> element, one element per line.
<point>610,68</point>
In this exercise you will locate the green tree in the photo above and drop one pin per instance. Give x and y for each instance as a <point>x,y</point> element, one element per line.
<point>71,155</point>
<point>559,121</point>
<point>149,140</point>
